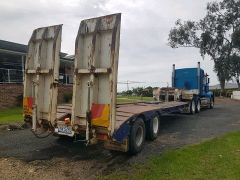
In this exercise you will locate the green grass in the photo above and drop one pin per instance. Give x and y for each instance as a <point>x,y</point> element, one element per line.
<point>12,115</point>
<point>132,99</point>
<point>213,159</point>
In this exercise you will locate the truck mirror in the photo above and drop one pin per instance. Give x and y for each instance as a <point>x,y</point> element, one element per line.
<point>208,80</point>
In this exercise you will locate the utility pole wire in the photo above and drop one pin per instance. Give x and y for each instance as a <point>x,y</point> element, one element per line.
<point>129,82</point>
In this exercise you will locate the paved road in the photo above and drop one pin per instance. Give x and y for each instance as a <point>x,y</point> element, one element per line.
<point>176,131</point>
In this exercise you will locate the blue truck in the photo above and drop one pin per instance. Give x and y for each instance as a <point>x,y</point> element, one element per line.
<point>194,86</point>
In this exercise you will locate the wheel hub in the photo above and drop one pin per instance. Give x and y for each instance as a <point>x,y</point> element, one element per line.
<point>198,106</point>
<point>193,106</point>
<point>139,136</point>
<point>155,125</point>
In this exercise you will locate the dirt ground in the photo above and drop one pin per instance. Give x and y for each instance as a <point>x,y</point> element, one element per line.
<point>23,156</point>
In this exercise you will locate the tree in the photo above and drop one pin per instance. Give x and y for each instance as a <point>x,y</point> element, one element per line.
<point>235,68</point>
<point>127,93</point>
<point>223,72</point>
<point>236,38</point>
<point>148,92</point>
<point>235,58</point>
<point>138,91</point>
<point>216,35</point>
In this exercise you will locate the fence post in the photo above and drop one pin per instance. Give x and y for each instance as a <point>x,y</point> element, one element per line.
<point>8,75</point>
<point>23,68</point>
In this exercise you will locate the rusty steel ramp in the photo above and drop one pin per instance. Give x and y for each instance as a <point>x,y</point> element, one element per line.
<point>41,75</point>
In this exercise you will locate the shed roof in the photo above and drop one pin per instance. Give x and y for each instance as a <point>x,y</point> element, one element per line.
<point>22,48</point>
<point>7,45</point>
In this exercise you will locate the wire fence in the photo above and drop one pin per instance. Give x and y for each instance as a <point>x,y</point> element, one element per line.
<point>66,78</point>
<point>16,76</point>
<point>11,76</point>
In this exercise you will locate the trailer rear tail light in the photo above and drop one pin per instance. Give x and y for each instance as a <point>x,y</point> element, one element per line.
<point>67,121</point>
<point>102,137</point>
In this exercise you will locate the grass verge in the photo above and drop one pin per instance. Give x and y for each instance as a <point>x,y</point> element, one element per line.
<point>213,159</point>
<point>13,115</point>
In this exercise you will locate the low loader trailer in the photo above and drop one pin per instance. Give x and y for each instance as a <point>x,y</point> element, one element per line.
<point>94,114</point>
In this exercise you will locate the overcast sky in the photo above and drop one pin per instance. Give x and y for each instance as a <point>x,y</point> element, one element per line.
<point>144,54</point>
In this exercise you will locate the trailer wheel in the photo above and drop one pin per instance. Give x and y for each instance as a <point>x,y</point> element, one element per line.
<point>153,128</point>
<point>137,136</point>
<point>198,106</point>
<point>211,104</point>
<point>192,107</point>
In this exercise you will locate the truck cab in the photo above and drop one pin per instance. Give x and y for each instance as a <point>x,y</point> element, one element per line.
<point>194,84</point>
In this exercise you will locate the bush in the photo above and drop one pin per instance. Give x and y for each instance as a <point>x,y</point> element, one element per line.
<point>225,93</point>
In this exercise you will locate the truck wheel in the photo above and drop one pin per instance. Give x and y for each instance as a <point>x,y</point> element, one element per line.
<point>192,107</point>
<point>211,104</point>
<point>153,129</point>
<point>137,136</point>
<point>198,106</point>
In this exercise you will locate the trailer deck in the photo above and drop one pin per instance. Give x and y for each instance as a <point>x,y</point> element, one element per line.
<point>128,110</point>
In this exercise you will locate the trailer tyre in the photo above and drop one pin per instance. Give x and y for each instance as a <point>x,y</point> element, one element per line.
<point>192,107</point>
<point>137,136</point>
<point>198,106</point>
<point>211,104</point>
<point>153,128</point>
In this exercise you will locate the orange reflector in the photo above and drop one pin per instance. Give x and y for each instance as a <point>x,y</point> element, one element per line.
<point>27,106</point>
<point>102,137</point>
<point>100,114</point>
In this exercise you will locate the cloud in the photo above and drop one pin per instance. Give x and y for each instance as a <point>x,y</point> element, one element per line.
<point>144,54</point>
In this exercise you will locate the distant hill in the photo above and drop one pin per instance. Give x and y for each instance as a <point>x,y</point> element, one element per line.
<point>227,86</point>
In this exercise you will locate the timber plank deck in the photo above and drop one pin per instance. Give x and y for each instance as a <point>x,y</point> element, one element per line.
<point>125,111</point>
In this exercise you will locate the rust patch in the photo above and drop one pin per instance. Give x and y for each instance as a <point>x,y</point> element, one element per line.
<point>38,70</point>
<point>109,19</point>
<point>75,72</point>
<point>57,31</point>
<point>96,30</point>
<point>92,69</point>
<point>109,70</point>
<point>114,34</point>
<point>50,71</point>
